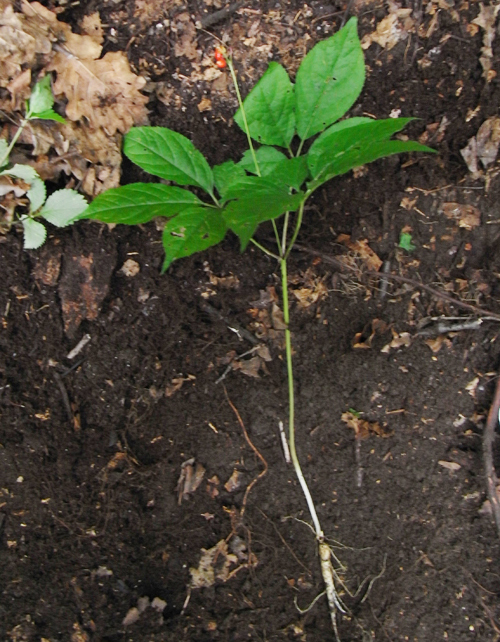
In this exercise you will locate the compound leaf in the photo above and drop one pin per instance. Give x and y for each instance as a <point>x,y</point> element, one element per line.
<point>226,175</point>
<point>49,114</point>
<point>269,108</point>
<point>291,171</point>
<point>256,199</point>
<point>63,207</point>
<point>37,194</point>
<point>170,155</point>
<point>329,80</point>
<point>41,98</point>
<point>267,159</point>
<point>339,150</point>
<point>194,230</point>
<point>34,233</point>
<point>139,203</point>
<point>24,172</point>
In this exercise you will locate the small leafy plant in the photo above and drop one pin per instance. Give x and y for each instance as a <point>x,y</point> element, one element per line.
<point>270,182</point>
<point>62,206</point>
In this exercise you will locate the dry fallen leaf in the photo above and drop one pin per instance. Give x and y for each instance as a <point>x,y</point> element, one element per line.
<point>398,341</point>
<point>391,29</point>
<point>176,384</point>
<point>363,428</point>
<point>130,268</point>
<point>449,465</point>
<point>214,565</point>
<point>190,478</point>
<point>234,482</point>
<point>483,146</point>
<point>466,216</point>
<point>471,386</point>
<point>362,250</point>
<point>105,92</point>
<point>486,20</point>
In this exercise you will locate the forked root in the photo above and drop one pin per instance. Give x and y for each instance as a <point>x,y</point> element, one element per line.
<point>329,576</point>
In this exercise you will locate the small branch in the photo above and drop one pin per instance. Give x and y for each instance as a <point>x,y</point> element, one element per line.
<point>258,454</point>
<point>222,14</point>
<point>402,279</point>
<point>488,438</point>
<point>234,327</point>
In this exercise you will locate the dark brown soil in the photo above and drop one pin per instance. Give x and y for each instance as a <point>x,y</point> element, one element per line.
<point>91,448</point>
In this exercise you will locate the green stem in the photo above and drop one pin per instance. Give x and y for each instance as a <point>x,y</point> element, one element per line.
<point>23,124</point>
<point>291,405</point>
<point>243,114</point>
<point>265,250</point>
<point>296,231</point>
<point>284,234</point>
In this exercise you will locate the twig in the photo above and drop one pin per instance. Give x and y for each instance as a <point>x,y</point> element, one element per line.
<point>222,14</point>
<point>65,398</point>
<point>259,455</point>
<point>234,327</point>
<point>488,438</point>
<point>402,279</point>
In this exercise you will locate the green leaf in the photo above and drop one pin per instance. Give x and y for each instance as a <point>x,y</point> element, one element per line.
<point>41,98</point>
<point>405,242</point>
<point>291,171</point>
<point>267,159</point>
<point>34,233</point>
<point>63,207</point>
<point>337,151</point>
<point>194,230</point>
<point>165,153</point>
<point>328,81</point>
<point>37,194</point>
<point>226,175</point>
<point>4,148</point>
<point>49,114</point>
<point>24,172</point>
<point>139,203</point>
<point>256,200</point>
<point>269,108</point>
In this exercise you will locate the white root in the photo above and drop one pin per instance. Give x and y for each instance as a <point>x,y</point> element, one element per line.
<point>329,574</point>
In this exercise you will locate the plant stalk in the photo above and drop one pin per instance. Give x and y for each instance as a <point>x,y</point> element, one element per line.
<point>291,405</point>
<point>14,140</point>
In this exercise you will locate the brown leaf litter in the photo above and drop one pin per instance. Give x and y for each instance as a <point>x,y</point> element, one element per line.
<point>363,428</point>
<point>103,99</point>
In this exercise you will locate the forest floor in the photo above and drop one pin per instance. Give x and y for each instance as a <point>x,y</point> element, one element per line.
<point>98,535</point>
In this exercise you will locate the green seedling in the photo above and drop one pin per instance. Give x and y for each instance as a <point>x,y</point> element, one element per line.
<point>61,207</point>
<point>272,182</point>
<point>405,242</point>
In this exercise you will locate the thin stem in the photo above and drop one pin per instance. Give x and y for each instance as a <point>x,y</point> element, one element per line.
<point>243,114</point>
<point>296,231</point>
<point>301,144</point>
<point>265,250</point>
<point>247,132</point>
<point>23,124</point>
<point>284,234</point>
<point>291,401</point>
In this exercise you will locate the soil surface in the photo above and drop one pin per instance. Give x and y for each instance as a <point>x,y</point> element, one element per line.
<point>97,535</point>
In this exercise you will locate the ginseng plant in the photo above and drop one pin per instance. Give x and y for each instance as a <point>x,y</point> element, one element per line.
<point>272,182</point>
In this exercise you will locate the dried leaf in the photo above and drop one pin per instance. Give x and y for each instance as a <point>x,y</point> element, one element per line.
<point>234,482</point>
<point>466,216</point>
<point>449,465</point>
<point>130,268</point>
<point>190,478</point>
<point>362,250</point>
<point>105,91</point>
<point>471,386</point>
<point>398,341</point>
<point>486,20</point>
<point>214,565</point>
<point>363,428</point>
